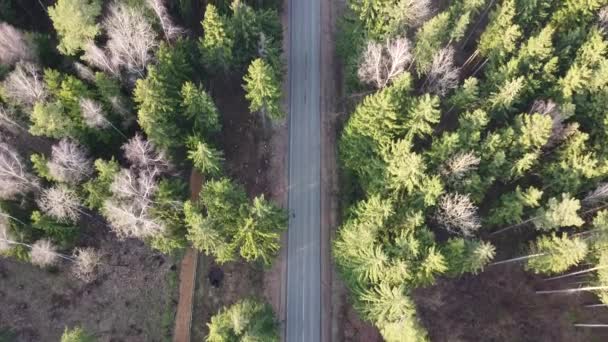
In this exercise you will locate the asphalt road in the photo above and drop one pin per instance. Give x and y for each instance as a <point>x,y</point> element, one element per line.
<point>303,319</point>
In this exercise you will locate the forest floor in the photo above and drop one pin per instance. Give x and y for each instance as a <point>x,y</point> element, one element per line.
<point>132,300</point>
<point>255,152</point>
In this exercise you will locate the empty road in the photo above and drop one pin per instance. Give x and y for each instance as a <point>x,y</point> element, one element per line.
<point>303,320</point>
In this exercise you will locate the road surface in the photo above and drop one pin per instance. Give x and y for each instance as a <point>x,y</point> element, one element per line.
<point>303,319</point>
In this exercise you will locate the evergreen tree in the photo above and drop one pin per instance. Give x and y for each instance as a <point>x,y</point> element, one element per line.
<point>556,254</point>
<point>263,90</point>
<point>559,213</point>
<point>76,335</point>
<point>204,157</point>
<point>74,21</point>
<point>216,45</point>
<point>247,320</point>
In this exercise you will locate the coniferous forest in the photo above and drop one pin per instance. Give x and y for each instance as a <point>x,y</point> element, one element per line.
<point>480,120</point>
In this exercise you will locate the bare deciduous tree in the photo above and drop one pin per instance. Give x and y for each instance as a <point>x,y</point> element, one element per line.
<point>459,164</point>
<point>14,179</point>
<point>603,19</point>
<point>142,153</point>
<point>61,203</point>
<point>84,72</point>
<point>443,74</point>
<point>170,30</point>
<point>92,113</point>
<point>457,214</point>
<point>128,210</point>
<point>14,47</point>
<point>132,38</point>
<point>86,262</point>
<point>43,253</point>
<point>412,13</point>
<point>69,162</point>
<point>24,85</point>
<point>100,58</point>
<point>5,236</point>
<point>600,194</point>
<point>9,121</point>
<point>380,64</point>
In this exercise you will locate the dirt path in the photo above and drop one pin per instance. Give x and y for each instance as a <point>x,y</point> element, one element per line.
<point>187,278</point>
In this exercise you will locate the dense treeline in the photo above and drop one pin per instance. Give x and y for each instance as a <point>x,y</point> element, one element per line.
<point>123,105</point>
<point>485,117</point>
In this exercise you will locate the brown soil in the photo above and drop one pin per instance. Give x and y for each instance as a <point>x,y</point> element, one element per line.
<point>501,305</point>
<point>187,284</point>
<point>133,298</point>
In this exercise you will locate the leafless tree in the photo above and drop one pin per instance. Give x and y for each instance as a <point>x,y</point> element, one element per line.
<point>9,121</point>
<point>14,178</point>
<point>559,132</point>
<point>86,262</point>
<point>600,194</point>
<point>412,13</point>
<point>170,30</point>
<point>69,162</point>
<point>459,164</point>
<point>43,253</point>
<point>443,74</point>
<point>603,19</point>
<point>61,203</point>
<point>142,153</point>
<point>131,38</point>
<point>128,210</point>
<point>14,47</point>
<point>84,72</point>
<point>457,214</point>
<point>100,58</point>
<point>5,236</point>
<point>93,114</point>
<point>25,85</point>
<point>380,64</point>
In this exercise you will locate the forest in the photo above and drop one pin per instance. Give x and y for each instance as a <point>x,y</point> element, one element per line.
<point>476,120</point>
<point>104,115</point>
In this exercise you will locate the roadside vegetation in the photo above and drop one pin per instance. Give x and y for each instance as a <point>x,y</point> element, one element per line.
<point>102,120</point>
<point>475,121</point>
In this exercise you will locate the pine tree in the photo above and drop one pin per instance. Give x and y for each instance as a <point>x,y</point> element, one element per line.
<point>557,254</point>
<point>205,158</point>
<point>247,320</point>
<point>199,110</point>
<point>263,90</point>
<point>216,45</point>
<point>559,213</point>
<point>74,21</point>
<point>422,115</point>
<point>159,96</point>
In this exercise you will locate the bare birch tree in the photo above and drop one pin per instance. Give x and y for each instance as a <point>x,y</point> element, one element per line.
<point>412,13</point>
<point>14,178</point>
<point>100,58</point>
<point>131,38</point>
<point>25,85</point>
<point>61,203</point>
<point>9,121</point>
<point>170,30</point>
<point>443,74</point>
<point>600,194</point>
<point>457,214</point>
<point>84,72</point>
<point>459,164</point>
<point>380,64</point>
<point>69,162</point>
<point>93,114</point>
<point>5,236</point>
<point>86,263</point>
<point>128,210</point>
<point>14,47</point>
<point>143,154</point>
<point>603,19</point>
<point>43,253</point>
